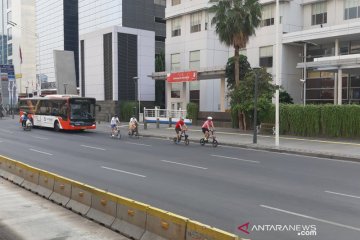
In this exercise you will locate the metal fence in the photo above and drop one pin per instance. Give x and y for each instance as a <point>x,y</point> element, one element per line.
<point>164,113</point>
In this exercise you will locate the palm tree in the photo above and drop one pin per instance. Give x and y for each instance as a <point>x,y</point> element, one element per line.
<point>235,21</point>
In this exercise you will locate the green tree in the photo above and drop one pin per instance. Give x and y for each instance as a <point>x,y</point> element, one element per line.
<point>244,66</point>
<point>236,118</point>
<point>284,97</point>
<point>242,97</point>
<point>235,21</point>
<point>160,85</point>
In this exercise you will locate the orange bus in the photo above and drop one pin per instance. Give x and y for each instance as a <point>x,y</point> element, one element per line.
<point>60,112</point>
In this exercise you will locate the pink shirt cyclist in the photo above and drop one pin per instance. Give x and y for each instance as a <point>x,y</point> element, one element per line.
<point>208,124</point>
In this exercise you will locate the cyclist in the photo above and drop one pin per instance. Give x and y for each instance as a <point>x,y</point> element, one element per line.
<point>132,125</point>
<point>208,126</point>
<point>23,119</point>
<point>180,127</point>
<point>113,123</point>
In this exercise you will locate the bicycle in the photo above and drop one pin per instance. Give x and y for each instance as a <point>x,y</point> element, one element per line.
<point>134,131</point>
<point>115,133</point>
<point>182,135</point>
<point>212,136</point>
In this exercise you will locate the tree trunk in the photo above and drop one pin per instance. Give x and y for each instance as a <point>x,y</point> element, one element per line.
<point>244,120</point>
<point>237,67</point>
<point>241,123</point>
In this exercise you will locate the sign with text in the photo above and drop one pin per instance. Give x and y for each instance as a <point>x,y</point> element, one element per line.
<point>182,77</point>
<point>7,72</point>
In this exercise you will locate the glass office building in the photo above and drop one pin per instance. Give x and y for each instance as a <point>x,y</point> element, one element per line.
<point>57,29</point>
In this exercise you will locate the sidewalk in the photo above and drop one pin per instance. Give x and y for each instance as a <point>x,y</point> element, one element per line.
<point>27,216</point>
<point>343,149</point>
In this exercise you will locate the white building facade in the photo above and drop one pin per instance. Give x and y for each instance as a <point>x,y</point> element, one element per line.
<point>326,32</point>
<point>118,42</point>
<point>22,44</point>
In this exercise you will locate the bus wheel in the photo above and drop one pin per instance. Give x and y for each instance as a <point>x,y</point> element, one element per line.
<point>56,126</point>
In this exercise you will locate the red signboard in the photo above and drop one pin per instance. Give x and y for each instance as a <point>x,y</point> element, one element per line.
<point>182,77</point>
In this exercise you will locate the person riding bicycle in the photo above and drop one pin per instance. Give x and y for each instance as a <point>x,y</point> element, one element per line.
<point>113,123</point>
<point>132,125</point>
<point>208,126</point>
<point>180,127</point>
<point>24,117</point>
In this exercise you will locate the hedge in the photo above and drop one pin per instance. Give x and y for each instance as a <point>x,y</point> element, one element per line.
<point>317,120</point>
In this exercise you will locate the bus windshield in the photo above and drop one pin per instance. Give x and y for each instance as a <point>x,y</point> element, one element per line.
<point>82,109</point>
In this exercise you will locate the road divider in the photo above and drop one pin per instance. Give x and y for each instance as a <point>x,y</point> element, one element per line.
<point>126,216</point>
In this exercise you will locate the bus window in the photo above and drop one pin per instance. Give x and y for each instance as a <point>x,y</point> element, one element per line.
<point>82,109</point>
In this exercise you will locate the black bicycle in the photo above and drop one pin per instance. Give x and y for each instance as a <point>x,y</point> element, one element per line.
<point>213,141</point>
<point>184,136</point>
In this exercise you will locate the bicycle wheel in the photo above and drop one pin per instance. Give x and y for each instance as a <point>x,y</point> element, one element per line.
<point>202,142</point>
<point>215,143</point>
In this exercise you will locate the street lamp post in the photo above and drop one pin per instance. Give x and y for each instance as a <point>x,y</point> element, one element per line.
<point>255,104</point>
<point>136,80</point>
<point>278,72</point>
<point>27,91</point>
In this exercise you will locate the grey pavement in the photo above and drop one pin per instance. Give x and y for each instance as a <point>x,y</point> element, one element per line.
<point>26,216</point>
<point>224,187</point>
<point>336,148</point>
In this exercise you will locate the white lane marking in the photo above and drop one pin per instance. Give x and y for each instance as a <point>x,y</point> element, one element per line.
<point>238,159</point>
<point>34,150</point>
<point>312,218</point>
<point>5,131</point>
<point>118,170</point>
<point>183,164</point>
<point>103,149</point>
<point>42,138</point>
<point>320,158</point>
<point>291,154</point>
<point>342,194</point>
<point>140,144</point>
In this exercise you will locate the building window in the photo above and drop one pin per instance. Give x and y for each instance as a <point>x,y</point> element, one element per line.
<point>175,2</point>
<point>175,90</point>
<point>266,57</point>
<point>160,39</point>
<point>160,2</point>
<point>194,60</point>
<point>175,62</point>
<point>9,49</point>
<point>352,9</point>
<point>9,33</point>
<point>195,22</point>
<point>160,20</point>
<point>319,14</point>
<point>267,17</point>
<point>176,27</point>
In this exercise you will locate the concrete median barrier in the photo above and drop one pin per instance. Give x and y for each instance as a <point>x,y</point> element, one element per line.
<point>2,164</point>
<point>13,173</point>
<point>46,184</point>
<point>103,207</point>
<point>199,231</point>
<point>62,191</point>
<point>31,178</point>
<point>80,200</point>
<point>162,225</point>
<point>133,219</point>
<point>130,218</point>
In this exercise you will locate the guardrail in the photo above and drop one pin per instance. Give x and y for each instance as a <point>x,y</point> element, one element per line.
<point>131,218</point>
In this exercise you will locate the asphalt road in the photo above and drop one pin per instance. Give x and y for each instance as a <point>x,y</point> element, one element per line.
<point>224,187</point>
